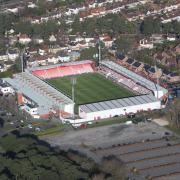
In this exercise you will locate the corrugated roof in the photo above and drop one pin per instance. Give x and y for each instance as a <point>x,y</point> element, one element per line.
<point>119,103</point>
<point>40,92</point>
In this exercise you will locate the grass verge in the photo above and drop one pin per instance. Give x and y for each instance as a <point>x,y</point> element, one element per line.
<point>108,122</point>
<point>51,131</point>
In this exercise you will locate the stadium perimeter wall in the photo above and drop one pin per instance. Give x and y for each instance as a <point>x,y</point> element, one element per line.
<point>118,111</point>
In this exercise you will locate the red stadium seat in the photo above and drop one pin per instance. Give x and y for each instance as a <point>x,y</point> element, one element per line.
<point>60,71</point>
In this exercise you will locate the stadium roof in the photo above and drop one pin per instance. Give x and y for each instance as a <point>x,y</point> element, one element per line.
<point>118,103</point>
<point>38,91</point>
<point>135,77</point>
<point>58,65</point>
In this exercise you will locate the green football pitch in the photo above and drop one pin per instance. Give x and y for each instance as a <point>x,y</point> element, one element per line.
<point>90,88</point>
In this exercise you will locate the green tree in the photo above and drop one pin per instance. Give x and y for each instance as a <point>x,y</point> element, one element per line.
<point>150,25</point>
<point>124,43</point>
<point>24,28</point>
<point>88,53</point>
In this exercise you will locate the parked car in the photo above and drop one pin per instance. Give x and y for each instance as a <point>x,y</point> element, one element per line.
<point>90,122</point>
<point>37,129</point>
<point>29,126</point>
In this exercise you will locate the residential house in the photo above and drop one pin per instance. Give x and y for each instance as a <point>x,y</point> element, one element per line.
<point>43,50</point>
<point>146,68</point>
<point>56,48</point>
<point>2,68</point>
<point>52,38</point>
<point>32,5</point>
<point>38,60</point>
<point>157,38</point>
<point>38,40</point>
<point>171,37</point>
<point>32,51</point>
<point>10,32</point>
<point>13,54</point>
<point>8,64</point>
<point>36,20</point>
<point>165,74</point>
<point>162,57</point>
<point>74,55</point>
<point>12,9</point>
<point>5,88</point>
<point>174,77</point>
<point>3,55</point>
<point>13,39</point>
<point>63,57</point>
<point>154,73</point>
<point>137,66</point>
<point>121,58</point>
<point>129,61</point>
<point>167,58</point>
<point>177,49</point>
<point>24,39</point>
<point>145,44</point>
<point>108,42</point>
<point>52,59</point>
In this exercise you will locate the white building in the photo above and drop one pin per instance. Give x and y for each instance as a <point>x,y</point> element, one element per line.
<point>24,39</point>
<point>108,109</point>
<point>38,40</point>
<point>2,68</point>
<point>32,110</point>
<point>145,44</point>
<point>3,56</point>
<point>64,58</point>
<point>53,59</point>
<point>13,54</point>
<point>5,88</point>
<point>171,38</point>
<point>32,5</point>
<point>52,38</point>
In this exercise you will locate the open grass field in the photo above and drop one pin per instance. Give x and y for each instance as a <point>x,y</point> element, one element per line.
<point>90,88</point>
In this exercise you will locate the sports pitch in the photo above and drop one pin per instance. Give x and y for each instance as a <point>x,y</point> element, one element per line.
<point>90,88</point>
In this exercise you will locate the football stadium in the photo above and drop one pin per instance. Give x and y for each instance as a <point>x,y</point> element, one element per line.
<point>81,88</point>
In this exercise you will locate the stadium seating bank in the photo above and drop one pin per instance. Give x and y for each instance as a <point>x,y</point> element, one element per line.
<point>62,70</point>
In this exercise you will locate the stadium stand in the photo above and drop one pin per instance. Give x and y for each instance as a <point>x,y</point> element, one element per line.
<point>123,80</point>
<point>61,70</point>
<point>158,90</point>
<point>44,95</point>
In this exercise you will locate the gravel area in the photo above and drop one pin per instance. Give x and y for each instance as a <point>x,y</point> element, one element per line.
<point>108,135</point>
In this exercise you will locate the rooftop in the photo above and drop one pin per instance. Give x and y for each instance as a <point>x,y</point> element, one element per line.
<point>130,60</point>
<point>136,64</point>
<point>38,91</point>
<point>120,56</point>
<point>118,103</point>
